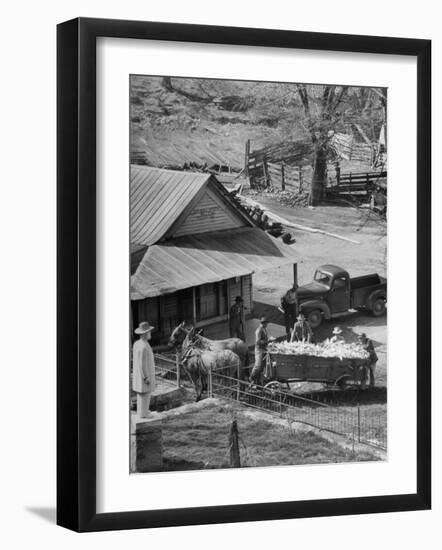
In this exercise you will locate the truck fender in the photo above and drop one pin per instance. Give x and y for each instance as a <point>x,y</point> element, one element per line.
<point>374,296</point>
<point>316,304</point>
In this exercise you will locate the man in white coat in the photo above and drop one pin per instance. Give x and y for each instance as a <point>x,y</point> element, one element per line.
<point>143,376</point>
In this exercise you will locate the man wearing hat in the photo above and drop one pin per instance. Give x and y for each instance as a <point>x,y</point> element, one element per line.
<point>368,346</point>
<point>288,307</point>
<point>237,320</point>
<point>302,331</point>
<point>143,365</point>
<point>337,335</point>
<point>261,341</point>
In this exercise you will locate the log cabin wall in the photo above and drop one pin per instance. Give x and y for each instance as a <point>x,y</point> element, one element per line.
<point>241,286</point>
<point>212,305</point>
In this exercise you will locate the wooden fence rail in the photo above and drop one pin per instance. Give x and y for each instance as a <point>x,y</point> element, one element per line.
<point>355,183</point>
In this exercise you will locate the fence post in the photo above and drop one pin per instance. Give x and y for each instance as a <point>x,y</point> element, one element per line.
<point>178,370</point>
<point>266,172</point>
<point>246,158</point>
<point>209,383</point>
<point>359,423</point>
<point>238,376</point>
<point>282,177</point>
<point>301,179</point>
<point>235,460</point>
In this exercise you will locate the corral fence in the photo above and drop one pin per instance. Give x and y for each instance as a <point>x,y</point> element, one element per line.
<point>354,423</point>
<point>355,183</point>
<point>277,165</point>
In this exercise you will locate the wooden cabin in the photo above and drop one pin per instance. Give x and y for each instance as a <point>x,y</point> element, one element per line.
<point>193,250</point>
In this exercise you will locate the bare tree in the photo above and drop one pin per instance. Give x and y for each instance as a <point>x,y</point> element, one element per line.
<point>322,107</point>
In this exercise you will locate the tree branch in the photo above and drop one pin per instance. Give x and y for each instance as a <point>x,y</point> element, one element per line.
<point>167,83</point>
<point>304,99</point>
<point>340,97</point>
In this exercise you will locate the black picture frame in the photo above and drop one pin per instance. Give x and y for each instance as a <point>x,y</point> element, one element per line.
<point>76,274</point>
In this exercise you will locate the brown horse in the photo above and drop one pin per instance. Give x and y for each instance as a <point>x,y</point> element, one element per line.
<point>197,364</point>
<point>183,337</point>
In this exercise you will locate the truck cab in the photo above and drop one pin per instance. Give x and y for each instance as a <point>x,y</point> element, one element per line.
<point>333,292</point>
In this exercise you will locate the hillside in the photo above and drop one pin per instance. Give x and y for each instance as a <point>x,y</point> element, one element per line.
<point>178,120</point>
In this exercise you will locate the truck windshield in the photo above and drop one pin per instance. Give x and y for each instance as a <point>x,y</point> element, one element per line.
<point>323,278</point>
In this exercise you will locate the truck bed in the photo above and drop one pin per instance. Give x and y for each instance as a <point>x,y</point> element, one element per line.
<point>362,287</point>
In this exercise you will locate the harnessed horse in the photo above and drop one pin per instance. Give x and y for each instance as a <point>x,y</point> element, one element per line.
<point>181,337</point>
<point>197,364</point>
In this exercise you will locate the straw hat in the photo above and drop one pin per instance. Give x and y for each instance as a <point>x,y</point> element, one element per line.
<point>301,317</point>
<point>144,327</point>
<point>337,330</point>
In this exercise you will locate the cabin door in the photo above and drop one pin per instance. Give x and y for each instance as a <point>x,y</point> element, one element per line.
<point>185,305</point>
<point>207,301</point>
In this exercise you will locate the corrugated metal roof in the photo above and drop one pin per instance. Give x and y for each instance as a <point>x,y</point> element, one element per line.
<point>157,198</point>
<point>195,260</point>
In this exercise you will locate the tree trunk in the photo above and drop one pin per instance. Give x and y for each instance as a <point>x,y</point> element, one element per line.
<point>319,173</point>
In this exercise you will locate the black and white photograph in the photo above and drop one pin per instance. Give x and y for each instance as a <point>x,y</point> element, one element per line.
<point>258,273</point>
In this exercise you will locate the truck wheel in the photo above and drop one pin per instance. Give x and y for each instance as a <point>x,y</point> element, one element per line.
<point>314,318</point>
<point>378,308</point>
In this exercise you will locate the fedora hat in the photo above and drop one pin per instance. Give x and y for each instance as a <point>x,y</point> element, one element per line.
<point>144,327</point>
<point>239,299</point>
<point>263,320</point>
<point>337,330</point>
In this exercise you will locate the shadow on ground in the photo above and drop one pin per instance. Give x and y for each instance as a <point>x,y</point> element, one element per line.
<point>351,397</point>
<point>46,513</point>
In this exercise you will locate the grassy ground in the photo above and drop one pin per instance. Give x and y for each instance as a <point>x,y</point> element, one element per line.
<point>201,438</point>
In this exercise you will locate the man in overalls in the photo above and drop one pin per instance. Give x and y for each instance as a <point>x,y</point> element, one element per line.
<point>368,346</point>
<point>302,331</point>
<point>261,341</point>
<point>237,319</point>
<point>289,307</point>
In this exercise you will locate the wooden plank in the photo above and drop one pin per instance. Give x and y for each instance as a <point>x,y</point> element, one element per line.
<point>246,157</point>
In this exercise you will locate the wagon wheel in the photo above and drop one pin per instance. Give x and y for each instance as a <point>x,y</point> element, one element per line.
<point>274,385</point>
<point>343,382</point>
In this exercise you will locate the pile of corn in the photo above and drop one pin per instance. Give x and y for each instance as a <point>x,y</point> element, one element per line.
<point>324,349</point>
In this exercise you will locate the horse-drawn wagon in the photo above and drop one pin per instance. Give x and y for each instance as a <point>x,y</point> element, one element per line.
<point>288,363</point>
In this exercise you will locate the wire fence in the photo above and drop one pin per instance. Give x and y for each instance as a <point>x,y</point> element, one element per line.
<point>355,423</point>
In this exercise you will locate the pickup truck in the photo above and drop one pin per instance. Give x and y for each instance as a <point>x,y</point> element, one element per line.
<point>333,292</point>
